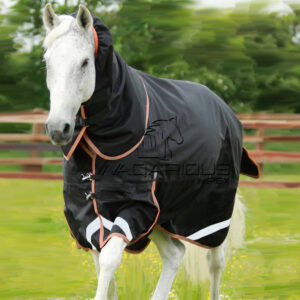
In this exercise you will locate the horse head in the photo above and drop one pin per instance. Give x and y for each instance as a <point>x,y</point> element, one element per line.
<point>69,56</point>
<point>175,134</point>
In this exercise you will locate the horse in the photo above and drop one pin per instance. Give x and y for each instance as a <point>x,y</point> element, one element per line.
<point>81,65</point>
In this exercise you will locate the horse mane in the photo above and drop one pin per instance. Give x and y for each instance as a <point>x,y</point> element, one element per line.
<point>58,31</point>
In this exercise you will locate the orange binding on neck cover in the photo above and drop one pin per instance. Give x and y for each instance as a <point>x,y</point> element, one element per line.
<point>95,40</point>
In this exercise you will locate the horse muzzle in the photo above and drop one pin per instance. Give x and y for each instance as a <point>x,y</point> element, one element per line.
<point>60,133</point>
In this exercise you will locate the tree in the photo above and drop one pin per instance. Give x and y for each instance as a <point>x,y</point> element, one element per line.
<point>249,59</point>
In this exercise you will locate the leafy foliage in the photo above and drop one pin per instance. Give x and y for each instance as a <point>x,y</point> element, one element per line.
<point>250,59</point>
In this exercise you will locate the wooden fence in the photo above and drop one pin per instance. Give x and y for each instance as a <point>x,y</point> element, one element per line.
<point>37,142</point>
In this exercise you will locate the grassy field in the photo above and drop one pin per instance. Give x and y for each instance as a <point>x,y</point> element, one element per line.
<point>39,260</point>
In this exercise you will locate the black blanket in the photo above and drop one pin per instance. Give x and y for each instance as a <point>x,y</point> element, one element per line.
<point>151,152</point>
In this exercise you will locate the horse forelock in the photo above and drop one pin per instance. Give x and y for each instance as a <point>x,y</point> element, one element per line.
<point>62,28</point>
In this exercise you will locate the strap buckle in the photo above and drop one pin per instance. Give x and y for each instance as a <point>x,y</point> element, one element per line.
<point>87,176</point>
<point>89,196</point>
<point>82,122</point>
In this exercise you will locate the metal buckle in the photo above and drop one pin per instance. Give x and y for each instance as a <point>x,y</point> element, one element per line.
<point>83,122</point>
<point>87,176</point>
<point>88,196</point>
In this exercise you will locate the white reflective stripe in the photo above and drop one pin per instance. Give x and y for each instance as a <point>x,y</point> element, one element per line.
<point>124,226</point>
<point>209,230</point>
<point>107,224</point>
<point>95,226</point>
<point>91,229</point>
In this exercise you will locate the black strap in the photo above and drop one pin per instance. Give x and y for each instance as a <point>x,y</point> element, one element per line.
<point>91,120</point>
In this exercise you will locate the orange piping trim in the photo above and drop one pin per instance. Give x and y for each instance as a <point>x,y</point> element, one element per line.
<point>78,244</point>
<point>82,111</point>
<point>86,150</point>
<point>180,237</point>
<point>86,249</point>
<point>81,133</point>
<point>95,40</point>
<point>122,236</point>
<point>158,212</point>
<point>101,232</point>
<point>140,250</point>
<point>143,234</point>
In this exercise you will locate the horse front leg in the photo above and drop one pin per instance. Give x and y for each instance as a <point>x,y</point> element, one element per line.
<point>171,252</point>
<point>112,290</point>
<point>109,260</point>
<point>95,256</point>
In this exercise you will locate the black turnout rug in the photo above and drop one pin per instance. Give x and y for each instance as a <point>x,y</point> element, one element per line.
<point>151,152</point>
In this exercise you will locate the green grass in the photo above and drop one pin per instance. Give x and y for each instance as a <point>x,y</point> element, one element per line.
<point>25,154</point>
<point>39,260</point>
<point>276,146</point>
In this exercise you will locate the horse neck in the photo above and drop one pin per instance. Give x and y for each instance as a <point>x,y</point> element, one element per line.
<point>102,97</point>
<point>120,101</point>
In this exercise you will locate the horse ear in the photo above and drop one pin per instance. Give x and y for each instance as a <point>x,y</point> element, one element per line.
<point>50,18</point>
<point>84,17</point>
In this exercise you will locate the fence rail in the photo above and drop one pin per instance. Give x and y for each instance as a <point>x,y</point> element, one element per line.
<point>37,142</point>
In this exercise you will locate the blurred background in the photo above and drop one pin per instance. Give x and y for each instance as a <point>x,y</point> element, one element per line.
<point>245,51</point>
<point>248,52</point>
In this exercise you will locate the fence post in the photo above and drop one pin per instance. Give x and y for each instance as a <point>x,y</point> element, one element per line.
<point>260,145</point>
<point>37,129</point>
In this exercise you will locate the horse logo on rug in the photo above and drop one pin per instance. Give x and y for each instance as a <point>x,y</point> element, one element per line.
<point>159,134</point>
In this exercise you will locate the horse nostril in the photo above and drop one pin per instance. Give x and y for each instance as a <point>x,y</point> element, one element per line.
<point>66,129</point>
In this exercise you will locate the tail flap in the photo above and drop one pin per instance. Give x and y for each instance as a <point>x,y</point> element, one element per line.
<point>248,166</point>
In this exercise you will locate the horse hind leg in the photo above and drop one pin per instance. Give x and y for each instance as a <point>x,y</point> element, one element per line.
<point>171,252</point>
<point>216,264</point>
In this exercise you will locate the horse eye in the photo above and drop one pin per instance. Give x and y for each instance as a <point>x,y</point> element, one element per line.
<point>85,62</point>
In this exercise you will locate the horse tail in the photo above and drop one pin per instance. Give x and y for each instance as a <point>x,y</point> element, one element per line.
<point>195,261</point>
